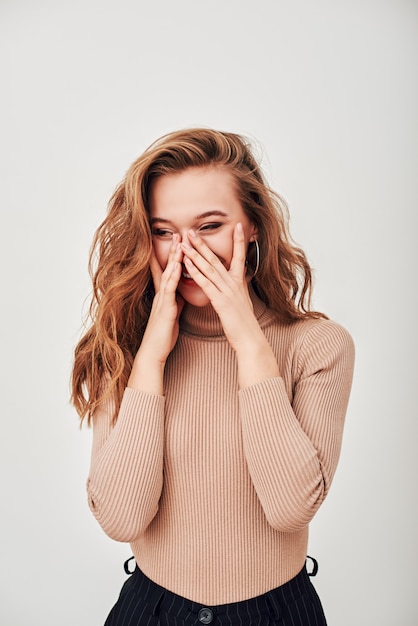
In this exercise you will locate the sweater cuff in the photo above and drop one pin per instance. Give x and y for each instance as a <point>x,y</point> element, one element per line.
<point>135,401</point>
<point>269,394</point>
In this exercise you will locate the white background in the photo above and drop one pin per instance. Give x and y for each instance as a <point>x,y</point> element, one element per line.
<point>329,89</point>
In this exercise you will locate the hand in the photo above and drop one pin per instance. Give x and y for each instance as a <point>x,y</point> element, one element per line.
<point>162,329</point>
<point>227,289</point>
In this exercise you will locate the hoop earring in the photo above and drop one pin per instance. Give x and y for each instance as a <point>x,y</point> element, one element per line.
<point>257,257</point>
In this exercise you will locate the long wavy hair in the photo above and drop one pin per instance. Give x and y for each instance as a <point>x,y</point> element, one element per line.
<point>119,259</point>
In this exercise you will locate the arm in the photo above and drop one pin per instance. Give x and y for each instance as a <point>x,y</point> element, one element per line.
<point>126,475</point>
<point>292,448</point>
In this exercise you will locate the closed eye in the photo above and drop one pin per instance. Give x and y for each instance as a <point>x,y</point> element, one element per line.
<point>162,232</point>
<point>211,226</point>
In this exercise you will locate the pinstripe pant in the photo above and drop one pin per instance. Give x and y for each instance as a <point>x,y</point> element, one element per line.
<point>143,603</point>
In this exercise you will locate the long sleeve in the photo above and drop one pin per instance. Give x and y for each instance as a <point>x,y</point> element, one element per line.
<point>292,445</point>
<point>126,474</point>
<point>214,487</point>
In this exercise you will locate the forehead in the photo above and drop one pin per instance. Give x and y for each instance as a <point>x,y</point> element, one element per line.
<point>196,190</point>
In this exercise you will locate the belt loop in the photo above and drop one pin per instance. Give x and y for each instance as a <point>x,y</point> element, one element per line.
<point>126,566</point>
<point>314,566</point>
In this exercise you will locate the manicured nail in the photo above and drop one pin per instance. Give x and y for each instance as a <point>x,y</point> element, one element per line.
<point>192,233</point>
<point>239,228</point>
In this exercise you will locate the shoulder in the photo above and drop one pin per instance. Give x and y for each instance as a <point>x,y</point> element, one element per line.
<point>313,330</point>
<point>308,331</point>
<point>322,343</point>
<point>312,342</point>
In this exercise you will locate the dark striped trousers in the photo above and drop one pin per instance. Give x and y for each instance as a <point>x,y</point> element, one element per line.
<point>143,603</point>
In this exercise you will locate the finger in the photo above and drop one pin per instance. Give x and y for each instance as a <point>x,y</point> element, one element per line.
<point>199,245</point>
<point>157,271</point>
<point>175,254</point>
<point>171,277</point>
<point>202,257</point>
<point>237,267</point>
<point>210,287</point>
<point>172,272</point>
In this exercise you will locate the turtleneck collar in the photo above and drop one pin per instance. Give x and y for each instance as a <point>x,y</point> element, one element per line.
<point>205,323</point>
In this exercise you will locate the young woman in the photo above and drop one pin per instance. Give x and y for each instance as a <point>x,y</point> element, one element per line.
<point>216,395</point>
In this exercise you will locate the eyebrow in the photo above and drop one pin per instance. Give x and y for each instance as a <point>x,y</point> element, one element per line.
<point>198,217</point>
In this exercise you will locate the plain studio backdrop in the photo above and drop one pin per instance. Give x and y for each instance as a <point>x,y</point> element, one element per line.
<point>329,91</point>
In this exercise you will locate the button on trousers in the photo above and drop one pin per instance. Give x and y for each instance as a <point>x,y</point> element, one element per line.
<point>143,603</point>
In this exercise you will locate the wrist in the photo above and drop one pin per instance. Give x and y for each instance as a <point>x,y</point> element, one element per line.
<point>147,373</point>
<point>256,361</point>
<point>251,341</point>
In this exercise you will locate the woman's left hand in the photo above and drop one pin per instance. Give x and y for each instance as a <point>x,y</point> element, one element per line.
<point>227,289</point>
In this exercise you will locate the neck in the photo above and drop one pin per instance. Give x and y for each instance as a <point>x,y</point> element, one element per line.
<point>205,322</point>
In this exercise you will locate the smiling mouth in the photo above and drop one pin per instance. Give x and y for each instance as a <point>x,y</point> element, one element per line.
<point>185,274</point>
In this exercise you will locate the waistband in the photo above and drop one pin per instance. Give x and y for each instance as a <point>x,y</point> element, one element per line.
<point>272,603</point>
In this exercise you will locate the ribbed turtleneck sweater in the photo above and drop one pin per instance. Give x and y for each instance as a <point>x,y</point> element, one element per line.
<point>214,486</point>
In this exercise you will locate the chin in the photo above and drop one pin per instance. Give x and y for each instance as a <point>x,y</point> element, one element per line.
<point>195,297</point>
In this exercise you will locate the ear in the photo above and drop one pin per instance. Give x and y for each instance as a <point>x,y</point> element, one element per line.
<point>253,233</point>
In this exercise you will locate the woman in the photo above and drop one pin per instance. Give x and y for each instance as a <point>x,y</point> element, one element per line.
<point>217,396</point>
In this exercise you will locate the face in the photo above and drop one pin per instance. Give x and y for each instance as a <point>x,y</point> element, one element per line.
<point>203,199</point>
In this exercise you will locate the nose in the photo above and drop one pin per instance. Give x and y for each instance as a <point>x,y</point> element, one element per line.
<point>183,235</point>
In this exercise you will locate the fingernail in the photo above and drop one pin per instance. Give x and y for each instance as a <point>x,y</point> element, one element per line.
<point>239,228</point>
<point>185,245</point>
<point>192,233</point>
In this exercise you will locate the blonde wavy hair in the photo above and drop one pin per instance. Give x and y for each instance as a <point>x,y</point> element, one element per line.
<point>119,259</point>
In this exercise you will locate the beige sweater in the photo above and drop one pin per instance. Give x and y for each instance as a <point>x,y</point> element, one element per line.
<point>213,486</point>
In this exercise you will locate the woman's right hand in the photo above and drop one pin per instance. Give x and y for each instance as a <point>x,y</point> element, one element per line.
<point>162,329</point>
<point>163,324</point>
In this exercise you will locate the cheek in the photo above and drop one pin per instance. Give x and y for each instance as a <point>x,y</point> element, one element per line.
<point>222,246</point>
<point>162,250</point>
